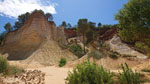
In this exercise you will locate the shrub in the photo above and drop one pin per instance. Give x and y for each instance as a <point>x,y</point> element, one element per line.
<point>106,46</point>
<point>89,73</point>
<point>3,65</point>
<point>13,70</point>
<point>77,50</point>
<point>142,47</point>
<point>62,62</point>
<point>96,54</point>
<point>6,69</point>
<point>128,76</point>
<point>113,56</point>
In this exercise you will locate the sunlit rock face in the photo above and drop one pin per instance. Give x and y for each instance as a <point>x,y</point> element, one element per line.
<point>36,39</point>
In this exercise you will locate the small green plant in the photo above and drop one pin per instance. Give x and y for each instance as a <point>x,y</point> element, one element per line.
<point>62,62</point>
<point>13,70</point>
<point>96,54</point>
<point>128,76</point>
<point>89,73</point>
<point>3,64</point>
<point>7,69</point>
<point>113,56</point>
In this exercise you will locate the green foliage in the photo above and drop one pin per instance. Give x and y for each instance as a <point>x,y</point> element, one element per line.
<point>113,56</point>
<point>66,25</point>
<point>147,42</point>
<point>127,35</point>
<point>128,76</point>
<point>41,11</point>
<point>77,50</point>
<point>82,26</point>
<point>82,29</point>
<point>142,47</point>
<point>21,20</point>
<point>13,70</point>
<point>2,35</point>
<point>8,27</point>
<point>3,65</point>
<point>89,73</point>
<point>49,16</point>
<point>62,62</point>
<point>91,33</point>
<point>99,25</point>
<point>134,21</point>
<point>24,17</point>
<point>96,54</point>
<point>109,26</point>
<point>6,69</point>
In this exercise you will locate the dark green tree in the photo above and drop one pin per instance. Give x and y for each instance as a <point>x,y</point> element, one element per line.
<point>99,25</point>
<point>21,20</point>
<point>82,29</point>
<point>91,32</point>
<point>64,24</point>
<point>24,17</point>
<point>38,11</point>
<point>49,16</point>
<point>134,21</point>
<point>69,26</point>
<point>8,27</point>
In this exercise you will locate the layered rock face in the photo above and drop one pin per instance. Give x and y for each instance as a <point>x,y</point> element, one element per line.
<point>36,41</point>
<point>117,45</point>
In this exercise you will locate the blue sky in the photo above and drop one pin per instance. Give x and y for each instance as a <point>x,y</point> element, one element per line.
<point>63,10</point>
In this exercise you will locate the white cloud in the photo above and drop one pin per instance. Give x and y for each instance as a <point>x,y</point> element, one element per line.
<point>13,8</point>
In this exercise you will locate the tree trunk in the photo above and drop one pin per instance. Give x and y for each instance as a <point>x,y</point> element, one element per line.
<point>83,43</point>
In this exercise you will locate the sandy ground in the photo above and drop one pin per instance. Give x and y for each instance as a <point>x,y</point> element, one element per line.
<point>55,75</point>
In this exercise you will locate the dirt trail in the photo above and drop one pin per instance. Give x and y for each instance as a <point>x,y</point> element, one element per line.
<point>55,75</point>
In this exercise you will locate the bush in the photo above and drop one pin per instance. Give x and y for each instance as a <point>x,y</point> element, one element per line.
<point>142,47</point>
<point>13,70</point>
<point>128,76</point>
<point>3,65</point>
<point>77,50</point>
<point>62,62</point>
<point>113,56</point>
<point>89,73</point>
<point>96,54</point>
<point>6,69</point>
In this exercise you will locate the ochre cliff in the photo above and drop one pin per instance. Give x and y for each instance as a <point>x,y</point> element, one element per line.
<point>36,41</point>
